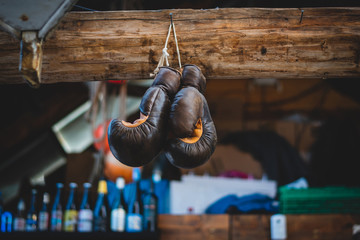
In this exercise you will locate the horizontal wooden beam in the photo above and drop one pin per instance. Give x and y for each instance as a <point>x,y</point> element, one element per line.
<point>226,43</point>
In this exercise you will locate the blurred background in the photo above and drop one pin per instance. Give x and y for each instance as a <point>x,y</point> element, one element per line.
<point>278,130</point>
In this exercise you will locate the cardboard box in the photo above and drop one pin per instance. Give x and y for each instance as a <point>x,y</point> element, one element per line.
<point>226,158</point>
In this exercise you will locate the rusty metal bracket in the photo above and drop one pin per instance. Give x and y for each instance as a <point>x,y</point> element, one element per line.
<point>31,58</point>
<point>31,22</point>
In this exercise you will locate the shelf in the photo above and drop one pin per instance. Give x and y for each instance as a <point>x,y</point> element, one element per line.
<point>256,226</point>
<point>220,227</point>
<point>80,236</point>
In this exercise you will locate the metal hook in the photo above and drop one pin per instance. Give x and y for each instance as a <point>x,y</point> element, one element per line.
<point>301,16</point>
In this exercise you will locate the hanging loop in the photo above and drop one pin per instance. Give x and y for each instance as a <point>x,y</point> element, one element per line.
<point>165,54</point>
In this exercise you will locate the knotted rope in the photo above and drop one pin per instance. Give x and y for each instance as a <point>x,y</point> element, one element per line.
<point>165,54</point>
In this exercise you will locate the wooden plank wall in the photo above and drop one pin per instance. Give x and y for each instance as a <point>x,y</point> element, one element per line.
<point>234,104</point>
<point>256,227</point>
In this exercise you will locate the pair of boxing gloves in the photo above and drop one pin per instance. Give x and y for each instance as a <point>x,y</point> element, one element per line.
<point>174,120</point>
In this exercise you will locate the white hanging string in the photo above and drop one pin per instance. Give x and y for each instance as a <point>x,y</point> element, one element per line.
<point>165,54</point>
<point>176,42</point>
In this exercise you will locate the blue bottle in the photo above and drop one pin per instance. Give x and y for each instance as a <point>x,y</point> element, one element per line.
<point>1,206</point>
<point>31,217</point>
<point>150,208</point>
<point>6,222</point>
<point>134,218</point>
<point>85,217</point>
<point>57,211</point>
<point>101,209</point>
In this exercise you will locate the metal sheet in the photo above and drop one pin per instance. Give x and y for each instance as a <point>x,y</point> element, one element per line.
<point>75,133</point>
<point>35,15</point>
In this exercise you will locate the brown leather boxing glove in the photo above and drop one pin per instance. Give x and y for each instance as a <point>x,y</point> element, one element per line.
<point>136,144</point>
<point>191,123</point>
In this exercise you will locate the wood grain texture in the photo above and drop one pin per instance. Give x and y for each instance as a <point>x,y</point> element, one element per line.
<point>226,43</point>
<point>299,227</point>
<point>249,227</point>
<point>179,227</point>
<point>256,226</point>
<point>325,227</point>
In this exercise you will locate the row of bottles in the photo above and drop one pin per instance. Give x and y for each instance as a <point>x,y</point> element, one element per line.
<point>145,208</point>
<point>137,214</point>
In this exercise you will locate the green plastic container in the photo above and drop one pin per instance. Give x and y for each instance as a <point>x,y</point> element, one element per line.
<point>319,200</point>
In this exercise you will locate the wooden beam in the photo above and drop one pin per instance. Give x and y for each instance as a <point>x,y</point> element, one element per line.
<point>226,43</point>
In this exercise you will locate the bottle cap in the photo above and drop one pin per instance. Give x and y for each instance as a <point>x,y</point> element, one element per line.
<point>33,191</point>
<point>21,205</point>
<point>156,177</point>
<point>120,183</point>
<point>59,185</point>
<point>102,188</point>
<point>136,174</point>
<point>46,198</point>
<point>87,185</point>
<point>73,185</point>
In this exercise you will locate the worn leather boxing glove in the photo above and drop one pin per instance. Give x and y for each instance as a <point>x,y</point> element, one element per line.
<point>136,144</point>
<point>191,123</point>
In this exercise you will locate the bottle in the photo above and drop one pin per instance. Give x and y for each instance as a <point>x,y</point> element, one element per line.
<point>31,217</point>
<point>150,206</point>
<point>101,209</point>
<point>85,217</point>
<point>19,220</point>
<point>278,227</point>
<point>44,214</point>
<point>70,214</point>
<point>6,221</point>
<point>1,206</point>
<point>118,212</point>
<point>56,210</point>
<point>134,218</point>
<point>356,232</point>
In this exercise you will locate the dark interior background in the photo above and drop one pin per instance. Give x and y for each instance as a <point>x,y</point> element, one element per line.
<point>27,114</point>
